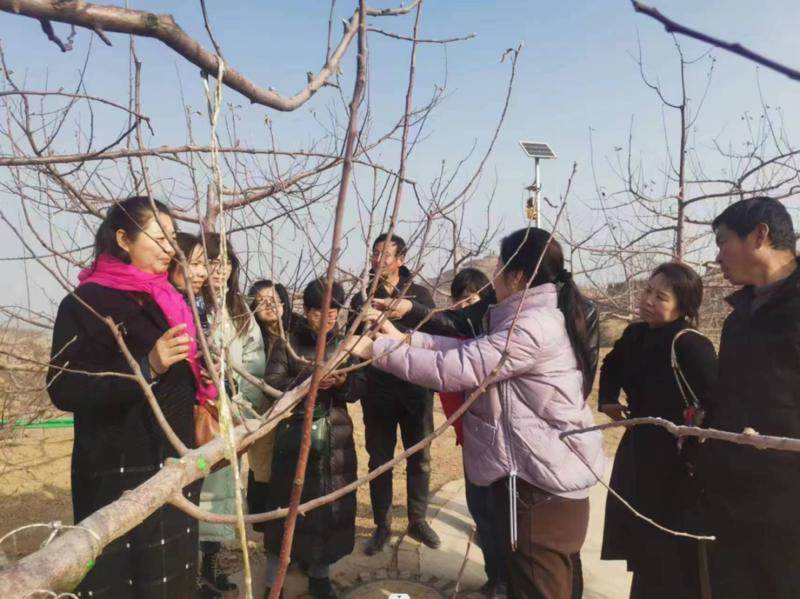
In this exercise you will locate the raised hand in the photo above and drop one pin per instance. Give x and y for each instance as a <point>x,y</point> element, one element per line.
<point>394,308</point>
<point>361,347</point>
<point>389,330</point>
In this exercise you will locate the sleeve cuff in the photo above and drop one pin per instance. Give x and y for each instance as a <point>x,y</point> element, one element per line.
<point>382,349</point>
<point>144,366</point>
<point>418,312</point>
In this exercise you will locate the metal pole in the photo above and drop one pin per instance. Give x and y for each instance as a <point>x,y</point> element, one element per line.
<point>537,191</point>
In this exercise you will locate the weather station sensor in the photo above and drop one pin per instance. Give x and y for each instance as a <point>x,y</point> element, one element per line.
<point>537,150</point>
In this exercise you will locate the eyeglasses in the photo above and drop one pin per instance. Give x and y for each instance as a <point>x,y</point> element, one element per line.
<point>217,264</point>
<point>257,301</point>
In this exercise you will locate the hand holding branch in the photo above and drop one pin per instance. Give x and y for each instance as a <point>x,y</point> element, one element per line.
<point>394,308</point>
<point>359,346</point>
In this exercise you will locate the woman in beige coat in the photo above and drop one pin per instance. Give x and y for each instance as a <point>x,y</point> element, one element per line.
<point>272,308</point>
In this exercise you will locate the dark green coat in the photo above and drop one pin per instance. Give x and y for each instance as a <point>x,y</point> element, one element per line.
<point>326,534</point>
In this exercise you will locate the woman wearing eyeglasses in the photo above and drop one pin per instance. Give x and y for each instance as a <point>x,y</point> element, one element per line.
<point>233,329</point>
<point>272,309</point>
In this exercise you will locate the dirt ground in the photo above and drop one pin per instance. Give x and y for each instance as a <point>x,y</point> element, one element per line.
<point>35,466</point>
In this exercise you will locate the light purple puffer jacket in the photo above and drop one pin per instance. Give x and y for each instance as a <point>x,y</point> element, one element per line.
<point>512,428</point>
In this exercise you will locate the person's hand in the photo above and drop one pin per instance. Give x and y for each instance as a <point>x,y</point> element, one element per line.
<point>615,411</point>
<point>372,315</point>
<point>339,379</point>
<point>171,348</point>
<point>332,380</point>
<point>361,347</point>
<point>392,332</point>
<point>394,308</point>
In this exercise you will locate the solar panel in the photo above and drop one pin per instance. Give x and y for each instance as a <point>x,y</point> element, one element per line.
<point>536,149</point>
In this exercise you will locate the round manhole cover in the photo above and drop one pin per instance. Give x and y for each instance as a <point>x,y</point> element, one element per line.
<point>383,589</point>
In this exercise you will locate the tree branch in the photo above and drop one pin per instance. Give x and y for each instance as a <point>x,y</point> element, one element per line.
<point>164,29</point>
<point>407,38</point>
<point>673,27</point>
<point>749,437</point>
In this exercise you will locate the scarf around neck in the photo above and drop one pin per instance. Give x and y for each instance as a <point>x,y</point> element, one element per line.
<point>108,271</point>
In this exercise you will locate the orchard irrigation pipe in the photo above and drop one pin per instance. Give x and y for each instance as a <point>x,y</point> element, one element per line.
<point>51,423</point>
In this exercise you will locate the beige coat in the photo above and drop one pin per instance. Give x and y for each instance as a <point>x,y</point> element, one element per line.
<point>259,454</point>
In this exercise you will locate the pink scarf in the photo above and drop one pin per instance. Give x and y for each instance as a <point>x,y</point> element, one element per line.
<point>111,272</point>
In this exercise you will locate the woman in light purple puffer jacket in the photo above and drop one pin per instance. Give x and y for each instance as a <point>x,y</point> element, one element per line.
<point>541,484</point>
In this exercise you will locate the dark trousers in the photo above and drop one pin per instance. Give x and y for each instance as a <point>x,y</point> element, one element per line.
<point>577,576</point>
<point>751,560</point>
<point>257,494</point>
<point>480,503</point>
<point>382,417</point>
<point>551,531</point>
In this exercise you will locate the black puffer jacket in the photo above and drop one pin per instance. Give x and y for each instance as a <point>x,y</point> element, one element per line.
<point>325,534</point>
<point>383,386</point>
<point>758,387</point>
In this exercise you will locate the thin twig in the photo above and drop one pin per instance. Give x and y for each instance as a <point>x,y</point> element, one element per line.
<point>749,437</point>
<point>407,38</point>
<point>463,564</point>
<point>674,27</point>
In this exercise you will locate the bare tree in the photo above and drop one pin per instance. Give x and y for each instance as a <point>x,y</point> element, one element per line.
<point>664,213</point>
<point>278,203</point>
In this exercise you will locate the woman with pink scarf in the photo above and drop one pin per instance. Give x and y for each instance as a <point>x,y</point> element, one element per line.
<point>118,443</point>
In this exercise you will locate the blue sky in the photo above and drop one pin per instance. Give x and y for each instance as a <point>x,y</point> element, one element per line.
<point>575,74</point>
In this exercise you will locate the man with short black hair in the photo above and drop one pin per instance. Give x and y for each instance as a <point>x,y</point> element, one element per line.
<point>390,402</point>
<point>753,495</point>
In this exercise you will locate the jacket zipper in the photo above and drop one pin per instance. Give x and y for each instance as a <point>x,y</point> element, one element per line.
<point>512,475</point>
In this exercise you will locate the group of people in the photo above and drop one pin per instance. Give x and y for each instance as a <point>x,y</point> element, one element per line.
<point>742,496</point>
<point>522,348</point>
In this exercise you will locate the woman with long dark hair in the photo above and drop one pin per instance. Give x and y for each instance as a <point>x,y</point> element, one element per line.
<point>537,353</point>
<point>234,330</point>
<point>652,470</point>
<point>272,309</point>
<point>118,442</point>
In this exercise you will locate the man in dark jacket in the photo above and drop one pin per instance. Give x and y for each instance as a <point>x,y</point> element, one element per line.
<point>753,495</point>
<point>390,402</point>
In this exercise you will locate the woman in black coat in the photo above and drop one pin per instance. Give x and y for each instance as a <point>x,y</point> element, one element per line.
<point>327,533</point>
<point>650,470</point>
<point>118,443</point>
